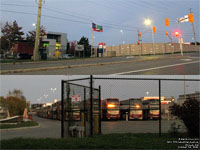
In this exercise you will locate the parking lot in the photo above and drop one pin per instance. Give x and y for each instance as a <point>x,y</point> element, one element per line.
<point>52,128</point>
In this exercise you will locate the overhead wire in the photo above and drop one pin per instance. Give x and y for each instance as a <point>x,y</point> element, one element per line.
<point>109,25</point>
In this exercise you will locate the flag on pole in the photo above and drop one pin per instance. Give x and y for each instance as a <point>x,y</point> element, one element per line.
<point>97,28</point>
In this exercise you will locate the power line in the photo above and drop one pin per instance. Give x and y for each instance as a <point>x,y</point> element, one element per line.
<point>59,18</point>
<point>83,18</point>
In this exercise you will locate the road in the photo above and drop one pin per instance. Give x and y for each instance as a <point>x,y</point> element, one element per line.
<point>52,128</point>
<point>144,65</point>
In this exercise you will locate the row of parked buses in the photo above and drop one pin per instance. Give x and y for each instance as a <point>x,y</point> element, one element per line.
<point>111,109</point>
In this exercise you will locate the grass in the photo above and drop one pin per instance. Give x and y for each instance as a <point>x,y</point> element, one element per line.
<point>109,141</point>
<point>19,125</point>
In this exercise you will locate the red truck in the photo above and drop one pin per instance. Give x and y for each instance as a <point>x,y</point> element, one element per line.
<point>22,50</point>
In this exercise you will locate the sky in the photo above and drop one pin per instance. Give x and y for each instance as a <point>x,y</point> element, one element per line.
<point>74,17</point>
<point>35,87</point>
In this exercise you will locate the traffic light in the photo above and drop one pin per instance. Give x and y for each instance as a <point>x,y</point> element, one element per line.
<point>138,42</point>
<point>190,18</point>
<point>166,21</point>
<point>177,34</point>
<point>154,29</point>
<point>166,33</point>
<point>140,34</point>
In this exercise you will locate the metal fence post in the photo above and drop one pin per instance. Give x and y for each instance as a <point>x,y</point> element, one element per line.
<point>84,110</point>
<point>62,109</point>
<point>99,109</point>
<point>159,107</point>
<point>91,105</point>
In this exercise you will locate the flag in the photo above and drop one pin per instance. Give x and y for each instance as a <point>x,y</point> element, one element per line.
<point>97,28</point>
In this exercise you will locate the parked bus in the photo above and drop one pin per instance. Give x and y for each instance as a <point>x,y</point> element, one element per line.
<point>111,108</point>
<point>151,109</point>
<point>131,107</point>
<point>135,110</point>
<point>75,111</point>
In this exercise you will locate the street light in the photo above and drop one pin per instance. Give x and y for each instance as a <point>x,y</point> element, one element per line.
<point>53,90</point>
<point>34,25</point>
<point>123,42</point>
<point>148,22</point>
<point>46,95</point>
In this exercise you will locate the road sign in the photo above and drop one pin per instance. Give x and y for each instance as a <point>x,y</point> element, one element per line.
<point>102,45</point>
<point>79,47</point>
<point>76,98</point>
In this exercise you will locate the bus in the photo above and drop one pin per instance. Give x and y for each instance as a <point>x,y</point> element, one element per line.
<point>111,108</point>
<point>135,109</point>
<point>131,107</point>
<point>151,109</point>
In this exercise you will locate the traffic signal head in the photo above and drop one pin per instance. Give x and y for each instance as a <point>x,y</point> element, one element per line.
<point>177,34</point>
<point>166,33</point>
<point>140,34</point>
<point>166,21</point>
<point>154,29</point>
<point>190,18</point>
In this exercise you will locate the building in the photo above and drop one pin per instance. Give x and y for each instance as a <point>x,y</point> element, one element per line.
<point>55,42</point>
<point>183,98</point>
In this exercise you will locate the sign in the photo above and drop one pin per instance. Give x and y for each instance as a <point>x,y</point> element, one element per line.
<point>102,45</point>
<point>184,19</point>
<point>76,98</point>
<point>79,47</point>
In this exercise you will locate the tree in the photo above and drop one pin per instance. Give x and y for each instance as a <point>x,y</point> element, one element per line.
<point>16,93</point>
<point>189,113</point>
<point>31,36</point>
<point>87,48</point>
<point>11,33</point>
<point>15,102</point>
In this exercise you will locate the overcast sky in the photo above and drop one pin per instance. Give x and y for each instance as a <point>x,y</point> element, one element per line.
<point>35,87</point>
<point>74,17</point>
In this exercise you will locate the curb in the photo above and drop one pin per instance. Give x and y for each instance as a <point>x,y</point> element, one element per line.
<point>76,66</point>
<point>43,61</point>
<point>31,127</point>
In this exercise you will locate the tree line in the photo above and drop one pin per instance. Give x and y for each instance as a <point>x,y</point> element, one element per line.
<point>12,32</point>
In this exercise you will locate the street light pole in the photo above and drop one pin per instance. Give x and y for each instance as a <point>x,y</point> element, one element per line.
<point>53,90</point>
<point>180,38</point>
<point>147,22</point>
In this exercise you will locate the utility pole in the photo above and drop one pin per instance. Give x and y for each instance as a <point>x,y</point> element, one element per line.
<point>195,40</point>
<point>35,53</point>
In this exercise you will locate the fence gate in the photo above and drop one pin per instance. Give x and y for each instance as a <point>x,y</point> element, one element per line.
<point>80,110</point>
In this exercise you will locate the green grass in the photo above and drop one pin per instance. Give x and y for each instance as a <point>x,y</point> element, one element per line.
<point>19,125</point>
<point>109,141</point>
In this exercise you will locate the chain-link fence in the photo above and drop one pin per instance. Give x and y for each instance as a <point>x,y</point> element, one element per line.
<point>125,104</point>
<point>80,110</point>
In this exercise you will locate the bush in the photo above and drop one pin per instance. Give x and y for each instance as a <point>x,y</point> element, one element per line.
<point>189,114</point>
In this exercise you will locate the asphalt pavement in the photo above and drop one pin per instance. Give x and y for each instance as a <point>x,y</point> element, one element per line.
<point>52,128</point>
<point>149,65</point>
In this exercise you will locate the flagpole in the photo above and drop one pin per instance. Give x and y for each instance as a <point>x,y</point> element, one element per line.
<point>91,40</point>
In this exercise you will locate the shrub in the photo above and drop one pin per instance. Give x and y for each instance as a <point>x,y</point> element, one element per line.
<point>189,114</point>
